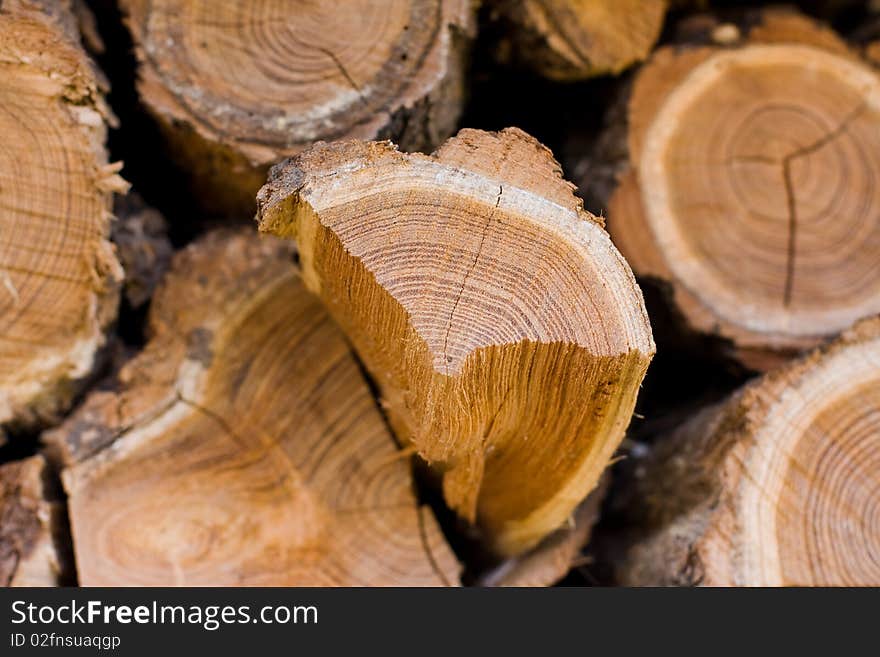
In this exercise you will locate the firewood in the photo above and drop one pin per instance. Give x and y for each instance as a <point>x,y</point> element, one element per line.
<point>30,520</point>
<point>505,332</point>
<point>554,557</point>
<point>753,187</point>
<point>577,39</point>
<point>242,446</point>
<point>239,86</point>
<point>776,486</point>
<point>59,277</point>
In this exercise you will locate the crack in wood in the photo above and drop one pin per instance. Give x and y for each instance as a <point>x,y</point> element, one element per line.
<point>467,275</point>
<point>354,85</point>
<point>791,198</point>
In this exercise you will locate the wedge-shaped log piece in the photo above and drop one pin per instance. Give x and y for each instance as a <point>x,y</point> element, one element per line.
<point>754,188</point>
<point>777,486</point>
<point>505,332</point>
<point>59,277</point>
<point>557,554</point>
<point>238,86</point>
<point>30,526</point>
<point>242,446</point>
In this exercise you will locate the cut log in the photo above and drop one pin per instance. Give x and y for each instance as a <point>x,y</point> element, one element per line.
<point>506,334</point>
<point>754,186</point>
<point>777,486</point>
<point>553,558</point>
<point>30,521</point>
<point>577,39</point>
<point>239,86</point>
<point>242,446</point>
<point>59,277</point>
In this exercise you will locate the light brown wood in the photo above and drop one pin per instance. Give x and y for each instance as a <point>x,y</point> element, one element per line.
<point>242,446</point>
<point>59,276</point>
<point>553,558</point>
<point>777,486</point>
<point>754,186</point>
<point>238,86</point>
<point>577,39</point>
<point>505,332</point>
<point>29,523</point>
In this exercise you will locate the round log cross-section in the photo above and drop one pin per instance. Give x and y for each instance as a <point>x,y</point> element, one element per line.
<point>757,172</point>
<point>778,486</point>
<point>59,276</point>
<point>240,85</point>
<point>242,446</point>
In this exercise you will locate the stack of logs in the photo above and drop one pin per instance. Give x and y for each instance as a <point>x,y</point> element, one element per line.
<point>453,323</point>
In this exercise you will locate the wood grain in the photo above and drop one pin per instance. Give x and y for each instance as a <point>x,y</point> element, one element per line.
<point>754,187</point>
<point>506,334</point>
<point>242,446</point>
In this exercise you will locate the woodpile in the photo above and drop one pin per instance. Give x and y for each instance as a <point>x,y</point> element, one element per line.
<point>242,447</point>
<point>427,361</point>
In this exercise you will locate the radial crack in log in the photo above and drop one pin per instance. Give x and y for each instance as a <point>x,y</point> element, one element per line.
<point>577,39</point>
<point>59,276</point>
<point>242,446</point>
<point>777,486</point>
<point>506,334</point>
<point>30,524</point>
<point>238,86</point>
<point>754,187</point>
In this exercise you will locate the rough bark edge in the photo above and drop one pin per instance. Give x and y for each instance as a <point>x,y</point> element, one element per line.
<point>83,95</point>
<point>34,540</point>
<point>683,495</point>
<point>140,234</point>
<point>206,158</point>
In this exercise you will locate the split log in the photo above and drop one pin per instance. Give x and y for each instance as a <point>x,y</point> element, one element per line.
<point>242,446</point>
<point>59,277</point>
<point>553,558</point>
<point>577,39</point>
<point>777,486</point>
<point>753,187</point>
<point>30,522</point>
<point>239,86</point>
<point>506,334</point>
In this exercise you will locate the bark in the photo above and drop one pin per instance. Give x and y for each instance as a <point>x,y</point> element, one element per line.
<point>242,446</point>
<point>59,276</point>
<point>506,334</point>
<point>777,486</point>
<point>31,527</point>
<point>378,69</point>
